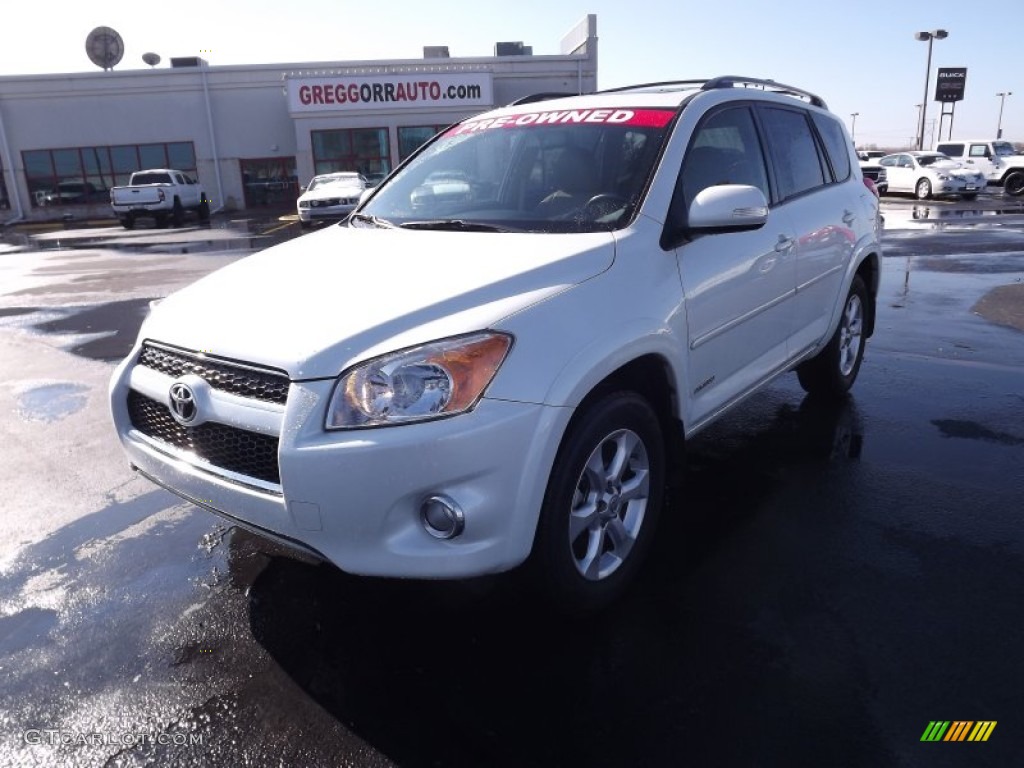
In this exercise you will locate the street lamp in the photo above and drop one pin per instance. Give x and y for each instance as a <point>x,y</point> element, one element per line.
<point>935,34</point>
<point>853,126</point>
<point>1002,100</point>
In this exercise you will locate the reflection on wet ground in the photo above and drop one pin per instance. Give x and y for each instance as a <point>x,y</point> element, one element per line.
<point>51,402</point>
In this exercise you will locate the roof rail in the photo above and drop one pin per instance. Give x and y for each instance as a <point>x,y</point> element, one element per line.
<point>659,84</point>
<point>535,97</point>
<point>727,81</point>
<point>731,81</point>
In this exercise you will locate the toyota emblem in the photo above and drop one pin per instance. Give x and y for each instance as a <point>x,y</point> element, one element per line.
<point>183,403</point>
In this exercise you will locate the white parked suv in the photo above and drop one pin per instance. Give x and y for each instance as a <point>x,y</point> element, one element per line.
<point>499,356</point>
<point>997,161</point>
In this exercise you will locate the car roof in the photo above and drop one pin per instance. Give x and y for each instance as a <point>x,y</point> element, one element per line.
<point>667,94</point>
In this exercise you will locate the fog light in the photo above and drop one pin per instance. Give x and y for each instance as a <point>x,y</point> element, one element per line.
<point>442,517</point>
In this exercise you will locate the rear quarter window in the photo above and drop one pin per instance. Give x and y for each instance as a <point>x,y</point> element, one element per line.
<point>836,147</point>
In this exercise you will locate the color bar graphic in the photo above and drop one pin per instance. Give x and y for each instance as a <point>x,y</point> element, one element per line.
<point>958,730</point>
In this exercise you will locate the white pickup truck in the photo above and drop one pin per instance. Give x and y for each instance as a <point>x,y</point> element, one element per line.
<point>997,160</point>
<point>162,193</point>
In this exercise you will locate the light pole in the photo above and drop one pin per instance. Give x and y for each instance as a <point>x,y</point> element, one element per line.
<point>1002,100</point>
<point>853,126</point>
<point>935,34</point>
<point>917,125</point>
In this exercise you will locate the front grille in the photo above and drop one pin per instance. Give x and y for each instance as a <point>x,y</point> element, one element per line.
<point>871,173</point>
<point>267,385</point>
<point>237,450</point>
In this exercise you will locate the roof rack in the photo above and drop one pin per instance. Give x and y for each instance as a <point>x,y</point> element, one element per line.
<point>731,81</point>
<point>535,97</point>
<point>727,81</point>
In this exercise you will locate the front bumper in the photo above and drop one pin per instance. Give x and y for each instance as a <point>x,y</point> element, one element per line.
<point>326,212</point>
<point>354,497</point>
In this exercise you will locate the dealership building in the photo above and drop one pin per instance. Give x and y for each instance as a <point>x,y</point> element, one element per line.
<point>252,134</point>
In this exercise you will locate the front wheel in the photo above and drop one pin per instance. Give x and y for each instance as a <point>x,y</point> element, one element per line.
<point>923,189</point>
<point>969,196</point>
<point>602,503</point>
<point>1014,184</point>
<point>833,370</point>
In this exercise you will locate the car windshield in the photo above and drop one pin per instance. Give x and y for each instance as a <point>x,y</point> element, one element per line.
<point>539,171</point>
<point>348,180</point>
<point>1003,148</point>
<point>933,159</point>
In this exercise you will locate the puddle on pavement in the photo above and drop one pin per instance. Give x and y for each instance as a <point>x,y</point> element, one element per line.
<point>51,402</point>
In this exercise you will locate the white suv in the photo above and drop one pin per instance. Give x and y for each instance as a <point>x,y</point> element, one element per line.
<point>498,357</point>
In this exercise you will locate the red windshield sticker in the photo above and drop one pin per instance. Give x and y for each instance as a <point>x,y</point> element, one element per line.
<point>646,118</point>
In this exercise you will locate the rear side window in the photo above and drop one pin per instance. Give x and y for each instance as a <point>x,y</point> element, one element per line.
<point>978,150</point>
<point>834,138</point>
<point>953,150</point>
<point>793,151</point>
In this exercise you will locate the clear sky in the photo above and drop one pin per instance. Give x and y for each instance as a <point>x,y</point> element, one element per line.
<point>859,56</point>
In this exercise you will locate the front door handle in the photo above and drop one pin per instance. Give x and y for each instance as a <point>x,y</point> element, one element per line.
<point>784,244</point>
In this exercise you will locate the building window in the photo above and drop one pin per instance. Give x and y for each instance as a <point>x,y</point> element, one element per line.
<point>270,182</point>
<point>364,150</point>
<point>412,137</point>
<point>85,174</point>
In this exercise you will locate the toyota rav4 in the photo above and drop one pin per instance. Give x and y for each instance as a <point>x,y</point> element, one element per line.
<point>498,357</point>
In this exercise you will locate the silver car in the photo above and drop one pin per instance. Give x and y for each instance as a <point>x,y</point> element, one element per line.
<point>330,196</point>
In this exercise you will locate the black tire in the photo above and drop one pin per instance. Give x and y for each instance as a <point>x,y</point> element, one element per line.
<point>1013,184</point>
<point>583,570</point>
<point>161,220</point>
<point>204,209</point>
<point>832,371</point>
<point>969,196</point>
<point>923,189</point>
<point>128,222</point>
<point>177,213</point>
<point>306,224</point>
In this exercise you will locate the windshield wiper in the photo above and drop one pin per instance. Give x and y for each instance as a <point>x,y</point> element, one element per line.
<point>455,225</point>
<point>375,221</point>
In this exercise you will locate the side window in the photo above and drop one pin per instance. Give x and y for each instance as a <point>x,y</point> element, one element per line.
<point>177,178</point>
<point>888,162</point>
<point>904,162</point>
<point>979,150</point>
<point>794,153</point>
<point>834,138</point>
<point>953,150</point>
<point>725,150</point>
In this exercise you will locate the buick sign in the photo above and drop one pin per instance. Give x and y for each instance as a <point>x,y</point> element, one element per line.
<point>950,84</point>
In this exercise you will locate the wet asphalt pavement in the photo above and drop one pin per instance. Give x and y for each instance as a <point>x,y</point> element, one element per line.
<point>828,578</point>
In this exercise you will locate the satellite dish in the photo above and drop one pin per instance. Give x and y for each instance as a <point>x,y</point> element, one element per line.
<point>151,58</point>
<point>104,47</point>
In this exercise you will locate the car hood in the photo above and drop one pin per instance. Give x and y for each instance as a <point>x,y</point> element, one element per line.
<point>332,191</point>
<point>321,302</point>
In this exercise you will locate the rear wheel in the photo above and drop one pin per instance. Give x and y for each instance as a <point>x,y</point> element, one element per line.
<point>833,370</point>
<point>1014,184</point>
<point>204,210</point>
<point>969,196</point>
<point>602,503</point>
<point>128,222</point>
<point>923,190</point>
<point>177,213</point>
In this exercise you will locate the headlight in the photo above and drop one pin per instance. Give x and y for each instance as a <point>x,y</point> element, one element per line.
<point>439,379</point>
<point>303,203</point>
<point>942,176</point>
